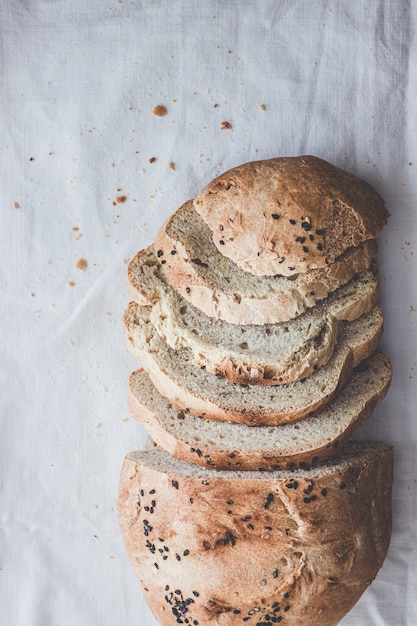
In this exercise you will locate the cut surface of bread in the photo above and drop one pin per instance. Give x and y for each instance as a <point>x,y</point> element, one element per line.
<point>289,215</point>
<point>266,355</point>
<point>217,286</point>
<point>231,446</point>
<point>203,393</point>
<point>226,548</point>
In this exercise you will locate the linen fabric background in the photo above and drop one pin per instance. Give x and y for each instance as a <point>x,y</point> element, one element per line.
<point>78,84</point>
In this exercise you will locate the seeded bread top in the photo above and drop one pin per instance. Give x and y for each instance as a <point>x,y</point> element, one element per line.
<point>289,215</point>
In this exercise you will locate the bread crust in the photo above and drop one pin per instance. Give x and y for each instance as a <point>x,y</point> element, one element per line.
<point>287,298</point>
<point>170,428</point>
<point>219,547</point>
<point>198,403</point>
<point>259,211</point>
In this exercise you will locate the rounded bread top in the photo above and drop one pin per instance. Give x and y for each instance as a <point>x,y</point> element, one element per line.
<point>290,214</point>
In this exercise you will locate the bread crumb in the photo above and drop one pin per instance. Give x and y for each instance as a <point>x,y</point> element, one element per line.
<point>152,160</point>
<point>215,105</point>
<point>31,158</point>
<point>75,229</point>
<point>121,199</point>
<point>172,165</point>
<point>261,107</point>
<point>71,283</point>
<point>225,126</point>
<point>160,110</point>
<point>16,205</point>
<point>81,264</point>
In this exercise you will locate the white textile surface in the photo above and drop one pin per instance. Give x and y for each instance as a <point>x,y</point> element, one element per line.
<point>78,83</point>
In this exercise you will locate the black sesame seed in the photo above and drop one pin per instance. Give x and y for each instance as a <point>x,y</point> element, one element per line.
<point>268,500</point>
<point>300,239</point>
<point>305,226</point>
<point>221,242</point>
<point>173,252</point>
<point>275,575</point>
<point>324,492</point>
<point>287,608</point>
<point>160,253</point>
<point>246,518</point>
<point>187,289</point>
<point>305,249</point>
<point>342,485</point>
<point>175,484</point>
<point>229,502</point>
<point>306,500</point>
<point>281,260</point>
<point>166,587</point>
<point>311,237</point>
<point>292,222</point>
<point>291,269</point>
<point>191,500</point>
<point>275,216</point>
<point>177,556</point>
<point>319,246</point>
<point>163,262</point>
<point>186,553</point>
<point>142,493</point>
<point>319,232</point>
<point>156,565</point>
<point>236,611</point>
<point>286,594</point>
<point>195,594</point>
<point>249,526</point>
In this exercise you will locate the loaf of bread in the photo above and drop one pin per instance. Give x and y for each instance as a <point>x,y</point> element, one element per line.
<point>291,547</point>
<point>217,286</point>
<point>267,355</point>
<point>289,215</point>
<point>256,325</point>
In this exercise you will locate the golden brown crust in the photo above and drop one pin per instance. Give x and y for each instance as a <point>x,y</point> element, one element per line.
<point>290,214</point>
<point>217,549</point>
<point>287,298</point>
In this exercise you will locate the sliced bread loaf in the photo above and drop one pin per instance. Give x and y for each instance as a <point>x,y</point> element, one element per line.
<point>258,212</point>
<point>202,393</point>
<point>231,446</point>
<point>268,355</point>
<point>217,286</point>
<point>290,547</point>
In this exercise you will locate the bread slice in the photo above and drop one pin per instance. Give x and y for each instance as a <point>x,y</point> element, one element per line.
<point>212,547</point>
<point>289,215</point>
<point>217,286</point>
<point>266,355</point>
<point>202,393</point>
<point>230,446</point>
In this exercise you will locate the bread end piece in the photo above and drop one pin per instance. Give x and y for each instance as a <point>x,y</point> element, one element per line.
<point>289,215</point>
<point>216,547</point>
